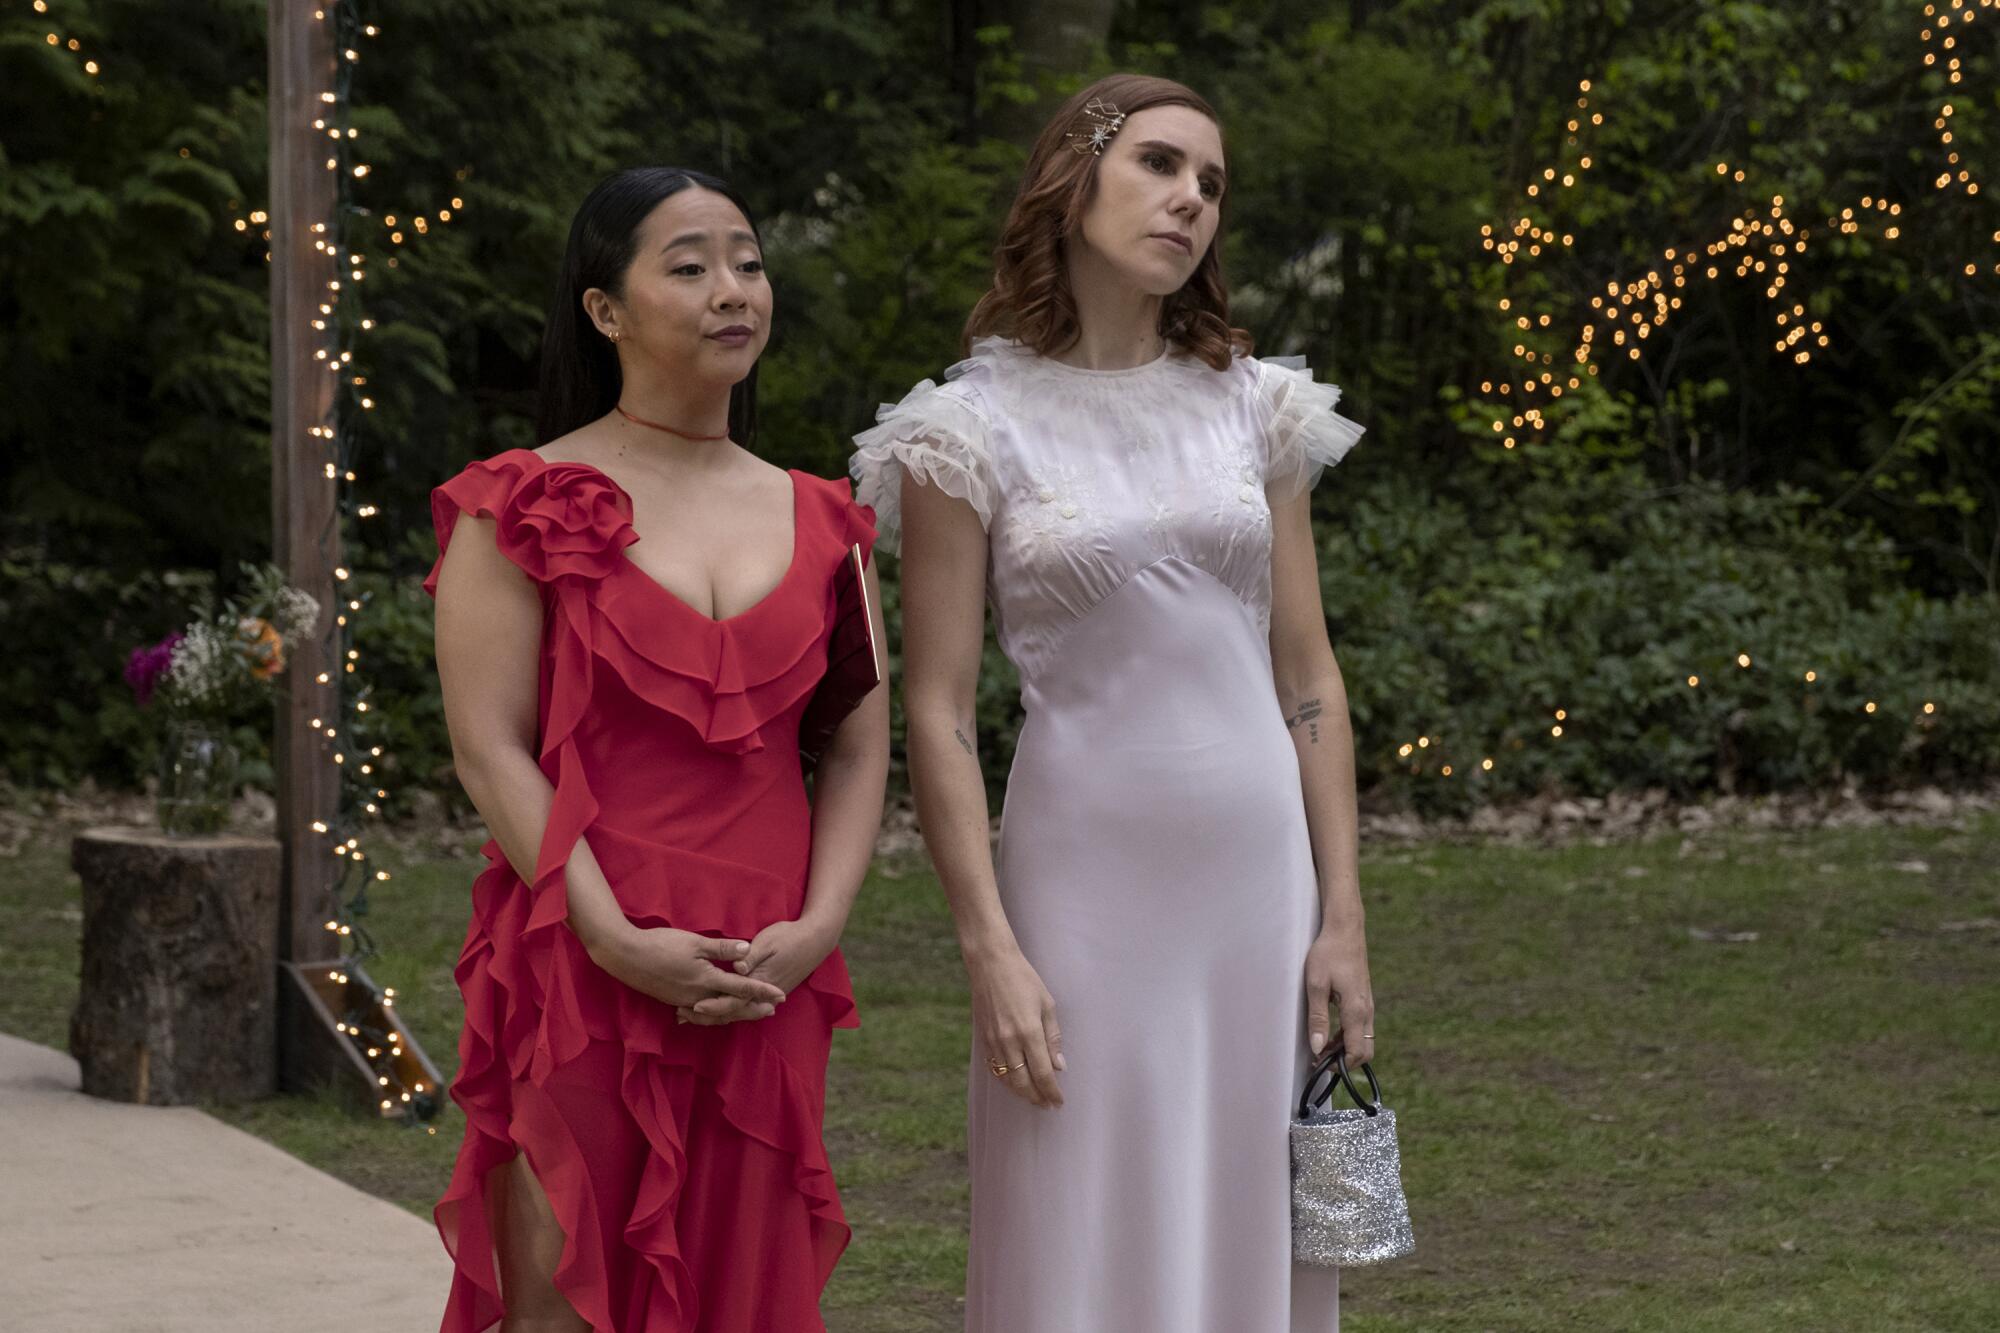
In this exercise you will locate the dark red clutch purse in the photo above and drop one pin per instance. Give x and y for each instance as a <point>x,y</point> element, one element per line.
<point>852,663</point>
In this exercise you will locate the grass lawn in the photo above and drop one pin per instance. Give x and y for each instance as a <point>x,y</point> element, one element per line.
<point>1747,1082</point>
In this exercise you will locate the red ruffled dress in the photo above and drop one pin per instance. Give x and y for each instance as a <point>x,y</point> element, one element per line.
<point>684,1163</point>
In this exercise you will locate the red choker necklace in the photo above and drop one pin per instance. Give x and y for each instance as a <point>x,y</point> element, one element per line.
<point>654,425</point>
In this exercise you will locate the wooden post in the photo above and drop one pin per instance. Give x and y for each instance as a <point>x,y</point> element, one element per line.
<point>305,520</point>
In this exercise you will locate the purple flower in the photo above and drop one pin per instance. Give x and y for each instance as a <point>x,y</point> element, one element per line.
<point>145,666</point>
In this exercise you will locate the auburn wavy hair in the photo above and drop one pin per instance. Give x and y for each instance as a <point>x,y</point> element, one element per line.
<point>1030,300</point>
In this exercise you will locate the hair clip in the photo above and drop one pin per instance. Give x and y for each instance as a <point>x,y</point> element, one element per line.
<point>1095,126</point>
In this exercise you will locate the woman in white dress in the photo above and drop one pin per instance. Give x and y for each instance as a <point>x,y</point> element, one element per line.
<point>1174,904</point>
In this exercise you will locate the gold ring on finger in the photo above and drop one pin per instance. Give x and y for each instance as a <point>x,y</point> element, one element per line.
<point>999,1069</point>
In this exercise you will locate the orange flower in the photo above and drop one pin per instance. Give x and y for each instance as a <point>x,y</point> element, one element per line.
<point>263,645</point>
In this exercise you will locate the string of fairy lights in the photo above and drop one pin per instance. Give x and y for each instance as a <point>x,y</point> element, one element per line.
<point>56,39</point>
<point>1761,243</point>
<point>337,323</point>
<point>375,1036</point>
<point>1429,755</point>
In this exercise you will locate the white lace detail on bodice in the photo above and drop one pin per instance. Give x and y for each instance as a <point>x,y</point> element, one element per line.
<point>1084,478</point>
<point>1056,515</point>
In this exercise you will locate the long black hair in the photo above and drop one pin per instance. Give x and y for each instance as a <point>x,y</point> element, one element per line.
<point>579,377</point>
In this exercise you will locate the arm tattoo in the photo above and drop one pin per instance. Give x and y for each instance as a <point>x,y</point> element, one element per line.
<point>963,743</point>
<point>1308,714</point>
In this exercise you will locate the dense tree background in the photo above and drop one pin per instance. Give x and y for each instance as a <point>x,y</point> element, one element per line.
<point>1709,499</point>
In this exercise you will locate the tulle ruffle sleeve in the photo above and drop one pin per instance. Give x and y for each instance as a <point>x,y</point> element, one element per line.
<point>938,437</point>
<point>1303,434</point>
<point>554,520</point>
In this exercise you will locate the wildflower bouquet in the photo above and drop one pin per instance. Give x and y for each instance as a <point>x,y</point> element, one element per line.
<point>203,677</point>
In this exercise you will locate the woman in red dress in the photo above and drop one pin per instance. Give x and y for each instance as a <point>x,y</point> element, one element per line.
<point>631,622</point>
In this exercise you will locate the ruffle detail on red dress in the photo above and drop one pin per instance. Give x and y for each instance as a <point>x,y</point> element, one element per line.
<point>728,678</point>
<point>725,679</point>
<point>859,525</point>
<point>555,520</point>
<point>567,523</point>
<point>535,1003</point>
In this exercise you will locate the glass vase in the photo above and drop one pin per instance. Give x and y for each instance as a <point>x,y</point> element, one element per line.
<point>197,779</point>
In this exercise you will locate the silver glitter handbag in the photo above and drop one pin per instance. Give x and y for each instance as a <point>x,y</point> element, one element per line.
<point>1347,1175</point>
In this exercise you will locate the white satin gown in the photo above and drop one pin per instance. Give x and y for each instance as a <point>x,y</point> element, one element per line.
<point>1154,860</point>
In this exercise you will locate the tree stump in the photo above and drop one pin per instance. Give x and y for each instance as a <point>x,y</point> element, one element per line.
<point>180,945</point>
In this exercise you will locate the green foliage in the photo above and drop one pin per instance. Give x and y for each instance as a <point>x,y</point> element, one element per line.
<point>393,636</point>
<point>64,710</point>
<point>1935,474</point>
<point>1590,590</point>
<point>878,275</point>
<point>1369,144</point>
<point>132,325</point>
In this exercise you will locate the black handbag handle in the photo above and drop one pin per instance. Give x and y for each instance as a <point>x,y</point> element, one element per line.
<point>1334,1063</point>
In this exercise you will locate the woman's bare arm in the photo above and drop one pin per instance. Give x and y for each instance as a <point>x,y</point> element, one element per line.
<point>944,606</point>
<point>1314,700</point>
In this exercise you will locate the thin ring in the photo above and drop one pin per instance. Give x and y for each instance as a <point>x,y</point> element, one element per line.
<point>1369,1035</point>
